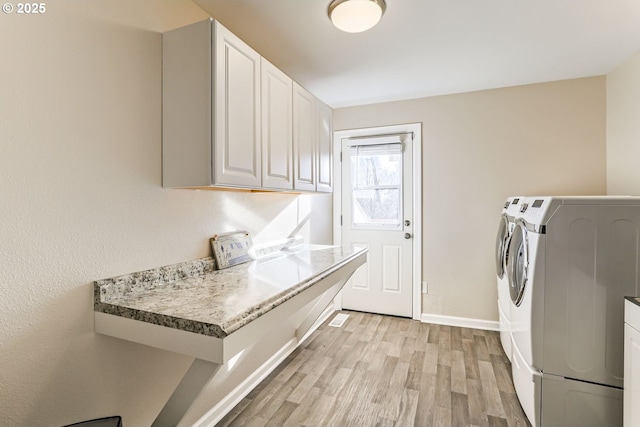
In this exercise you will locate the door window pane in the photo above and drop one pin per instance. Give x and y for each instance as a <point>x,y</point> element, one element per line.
<point>376,178</point>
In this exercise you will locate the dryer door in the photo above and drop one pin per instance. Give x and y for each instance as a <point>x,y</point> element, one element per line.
<point>501,245</point>
<point>518,262</point>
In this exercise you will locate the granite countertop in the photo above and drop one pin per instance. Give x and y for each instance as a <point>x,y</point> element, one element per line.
<point>193,296</point>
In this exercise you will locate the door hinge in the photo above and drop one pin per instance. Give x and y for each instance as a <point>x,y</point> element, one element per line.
<point>341,220</point>
<point>341,157</point>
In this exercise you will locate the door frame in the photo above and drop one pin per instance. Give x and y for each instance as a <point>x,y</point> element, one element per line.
<point>416,129</point>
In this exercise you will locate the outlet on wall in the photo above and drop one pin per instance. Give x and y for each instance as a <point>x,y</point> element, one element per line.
<point>425,288</point>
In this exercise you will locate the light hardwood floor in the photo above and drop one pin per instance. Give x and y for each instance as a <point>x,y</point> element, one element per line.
<point>387,371</point>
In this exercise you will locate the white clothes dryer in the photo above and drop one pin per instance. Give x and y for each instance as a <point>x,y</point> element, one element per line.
<point>507,222</point>
<point>571,262</point>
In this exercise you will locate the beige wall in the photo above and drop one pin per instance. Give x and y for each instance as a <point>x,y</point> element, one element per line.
<point>80,200</point>
<point>623,128</point>
<point>478,149</point>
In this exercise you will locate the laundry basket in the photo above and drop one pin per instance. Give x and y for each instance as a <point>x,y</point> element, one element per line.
<point>99,422</point>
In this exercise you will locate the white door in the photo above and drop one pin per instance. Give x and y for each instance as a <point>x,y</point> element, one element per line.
<point>377,213</point>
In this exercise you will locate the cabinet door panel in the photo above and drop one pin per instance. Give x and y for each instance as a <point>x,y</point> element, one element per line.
<point>237,112</point>
<point>631,374</point>
<point>304,133</point>
<point>277,128</point>
<point>324,147</point>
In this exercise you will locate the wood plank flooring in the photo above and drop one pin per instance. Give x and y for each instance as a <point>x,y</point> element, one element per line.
<point>387,371</point>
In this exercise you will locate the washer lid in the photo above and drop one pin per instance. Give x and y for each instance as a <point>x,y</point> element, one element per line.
<point>501,245</point>
<point>518,262</point>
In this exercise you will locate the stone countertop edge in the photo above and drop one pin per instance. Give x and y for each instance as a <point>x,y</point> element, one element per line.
<point>150,279</point>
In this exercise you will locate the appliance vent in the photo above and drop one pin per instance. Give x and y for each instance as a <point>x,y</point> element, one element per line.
<point>339,320</point>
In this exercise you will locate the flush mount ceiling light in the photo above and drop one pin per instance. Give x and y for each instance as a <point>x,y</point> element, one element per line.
<point>354,16</point>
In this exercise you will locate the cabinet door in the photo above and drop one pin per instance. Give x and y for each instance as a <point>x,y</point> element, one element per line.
<point>277,128</point>
<point>237,111</point>
<point>631,376</point>
<point>324,135</point>
<point>304,135</point>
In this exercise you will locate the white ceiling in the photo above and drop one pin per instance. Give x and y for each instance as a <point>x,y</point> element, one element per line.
<point>433,47</point>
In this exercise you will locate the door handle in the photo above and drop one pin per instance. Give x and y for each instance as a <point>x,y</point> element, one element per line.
<point>407,235</point>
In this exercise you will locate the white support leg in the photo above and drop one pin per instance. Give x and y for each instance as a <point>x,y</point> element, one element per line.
<point>319,308</point>
<point>192,384</point>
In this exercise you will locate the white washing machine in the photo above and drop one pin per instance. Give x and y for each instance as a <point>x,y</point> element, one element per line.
<point>507,222</point>
<point>571,262</point>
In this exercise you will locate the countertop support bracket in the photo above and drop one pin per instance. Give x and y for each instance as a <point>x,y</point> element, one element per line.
<point>194,381</point>
<point>321,305</point>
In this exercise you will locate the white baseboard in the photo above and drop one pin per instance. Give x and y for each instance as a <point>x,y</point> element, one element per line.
<point>463,322</point>
<point>222,408</point>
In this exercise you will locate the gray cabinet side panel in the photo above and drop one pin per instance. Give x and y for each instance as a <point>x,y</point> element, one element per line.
<point>186,106</point>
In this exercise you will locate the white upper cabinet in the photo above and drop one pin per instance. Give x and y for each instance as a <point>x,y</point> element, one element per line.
<point>277,128</point>
<point>324,135</point>
<point>232,119</point>
<point>304,139</point>
<point>210,140</point>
